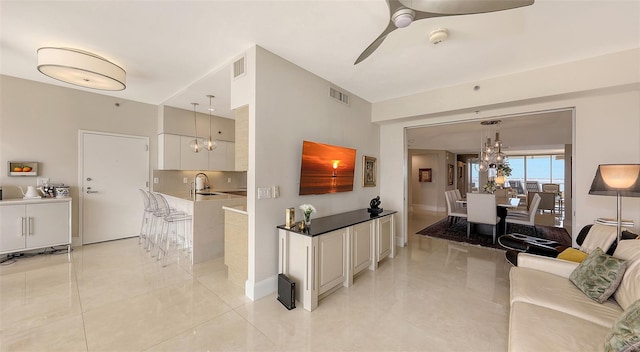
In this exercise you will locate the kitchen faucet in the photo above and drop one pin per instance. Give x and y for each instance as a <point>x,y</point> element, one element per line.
<point>205,185</point>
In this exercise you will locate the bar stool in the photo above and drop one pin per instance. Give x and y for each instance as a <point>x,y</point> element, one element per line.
<point>175,230</point>
<point>147,216</point>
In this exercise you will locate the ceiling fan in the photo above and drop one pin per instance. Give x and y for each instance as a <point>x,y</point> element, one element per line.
<point>404,12</point>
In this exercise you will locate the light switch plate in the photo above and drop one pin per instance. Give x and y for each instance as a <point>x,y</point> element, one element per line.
<point>264,192</point>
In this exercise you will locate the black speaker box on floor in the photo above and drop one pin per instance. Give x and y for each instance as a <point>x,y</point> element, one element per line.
<point>286,291</point>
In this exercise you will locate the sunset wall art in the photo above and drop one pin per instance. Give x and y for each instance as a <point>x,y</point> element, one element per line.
<point>326,168</point>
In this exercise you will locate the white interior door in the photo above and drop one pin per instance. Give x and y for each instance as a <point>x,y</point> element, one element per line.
<point>113,168</point>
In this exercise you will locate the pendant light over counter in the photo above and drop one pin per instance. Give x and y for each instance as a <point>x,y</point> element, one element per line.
<point>195,145</point>
<point>211,144</point>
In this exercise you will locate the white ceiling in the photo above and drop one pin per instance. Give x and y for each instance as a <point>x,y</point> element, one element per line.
<point>167,46</point>
<point>534,133</point>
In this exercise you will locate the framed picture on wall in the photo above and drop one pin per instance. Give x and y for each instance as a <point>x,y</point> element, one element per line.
<point>450,174</point>
<point>368,171</point>
<point>424,175</point>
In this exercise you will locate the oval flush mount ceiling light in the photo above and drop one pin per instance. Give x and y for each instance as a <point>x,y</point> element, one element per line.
<point>81,68</point>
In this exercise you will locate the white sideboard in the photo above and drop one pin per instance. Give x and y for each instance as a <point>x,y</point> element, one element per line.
<point>328,254</point>
<point>27,224</point>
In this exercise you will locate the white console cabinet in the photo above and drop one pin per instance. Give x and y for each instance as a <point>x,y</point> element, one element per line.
<point>34,224</point>
<point>327,255</point>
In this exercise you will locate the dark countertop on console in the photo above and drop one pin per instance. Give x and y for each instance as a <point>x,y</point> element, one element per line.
<point>330,223</point>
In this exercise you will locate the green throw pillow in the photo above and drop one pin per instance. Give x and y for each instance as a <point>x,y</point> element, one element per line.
<point>599,275</point>
<point>625,334</point>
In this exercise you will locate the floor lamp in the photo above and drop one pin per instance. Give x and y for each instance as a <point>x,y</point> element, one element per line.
<point>620,180</point>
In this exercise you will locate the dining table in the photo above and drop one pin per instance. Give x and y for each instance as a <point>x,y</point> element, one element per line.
<point>502,204</point>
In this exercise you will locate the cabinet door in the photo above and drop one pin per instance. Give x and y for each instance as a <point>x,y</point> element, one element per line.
<point>190,160</point>
<point>169,148</point>
<point>218,157</point>
<point>362,246</point>
<point>12,227</point>
<point>385,237</point>
<point>231,156</point>
<point>331,260</point>
<point>48,224</point>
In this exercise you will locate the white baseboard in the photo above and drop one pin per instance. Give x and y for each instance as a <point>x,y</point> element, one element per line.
<point>261,289</point>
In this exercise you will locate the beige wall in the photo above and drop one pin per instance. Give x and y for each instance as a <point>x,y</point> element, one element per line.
<point>40,122</point>
<point>293,105</point>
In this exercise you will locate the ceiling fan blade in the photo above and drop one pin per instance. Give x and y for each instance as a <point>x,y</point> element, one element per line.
<point>376,43</point>
<point>393,6</point>
<point>463,7</point>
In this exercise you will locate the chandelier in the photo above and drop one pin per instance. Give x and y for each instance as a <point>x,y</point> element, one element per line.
<point>491,155</point>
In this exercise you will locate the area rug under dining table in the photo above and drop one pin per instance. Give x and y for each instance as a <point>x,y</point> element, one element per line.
<point>458,233</point>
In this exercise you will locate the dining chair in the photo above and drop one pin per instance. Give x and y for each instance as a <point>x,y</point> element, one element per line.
<point>551,187</point>
<point>517,186</point>
<point>526,217</point>
<point>454,211</point>
<point>532,186</point>
<point>482,209</point>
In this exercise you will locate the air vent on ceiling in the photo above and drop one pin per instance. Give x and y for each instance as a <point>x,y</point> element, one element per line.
<point>239,67</point>
<point>338,95</point>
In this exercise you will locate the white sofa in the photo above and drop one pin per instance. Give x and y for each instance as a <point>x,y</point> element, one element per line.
<point>549,313</point>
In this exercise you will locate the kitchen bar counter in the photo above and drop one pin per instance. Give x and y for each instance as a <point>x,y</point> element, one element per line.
<point>208,221</point>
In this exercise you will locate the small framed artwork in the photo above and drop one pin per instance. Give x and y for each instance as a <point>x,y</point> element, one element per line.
<point>450,174</point>
<point>424,175</point>
<point>368,171</point>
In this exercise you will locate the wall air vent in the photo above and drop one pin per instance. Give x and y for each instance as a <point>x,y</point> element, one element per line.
<point>239,67</point>
<point>338,95</point>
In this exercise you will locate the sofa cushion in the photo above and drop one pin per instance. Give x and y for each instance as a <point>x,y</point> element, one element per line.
<point>625,334</point>
<point>599,236</point>
<point>536,328</point>
<point>573,255</point>
<point>629,289</point>
<point>558,293</point>
<point>599,275</point>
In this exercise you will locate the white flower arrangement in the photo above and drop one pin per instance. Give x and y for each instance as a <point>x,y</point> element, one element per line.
<point>307,210</point>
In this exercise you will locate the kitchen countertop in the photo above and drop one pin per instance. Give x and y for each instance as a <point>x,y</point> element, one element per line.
<point>220,195</point>
<point>33,200</point>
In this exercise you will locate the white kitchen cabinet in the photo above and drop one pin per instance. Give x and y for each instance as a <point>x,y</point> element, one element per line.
<point>223,157</point>
<point>175,153</point>
<point>34,224</point>
<point>169,151</point>
<point>362,246</point>
<point>189,160</point>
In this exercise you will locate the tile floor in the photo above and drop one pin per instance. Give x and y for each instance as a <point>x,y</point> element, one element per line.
<point>434,296</point>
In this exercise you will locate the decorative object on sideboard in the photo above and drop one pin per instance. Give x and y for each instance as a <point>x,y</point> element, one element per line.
<point>211,144</point>
<point>290,217</point>
<point>195,144</point>
<point>368,171</point>
<point>374,206</point>
<point>81,68</point>
<point>307,210</point>
<point>425,175</point>
<point>620,180</point>
<point>31,193</point>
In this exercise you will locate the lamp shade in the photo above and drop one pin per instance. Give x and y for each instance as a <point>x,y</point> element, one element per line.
<point>81,68</point>
<point>611,179</point>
